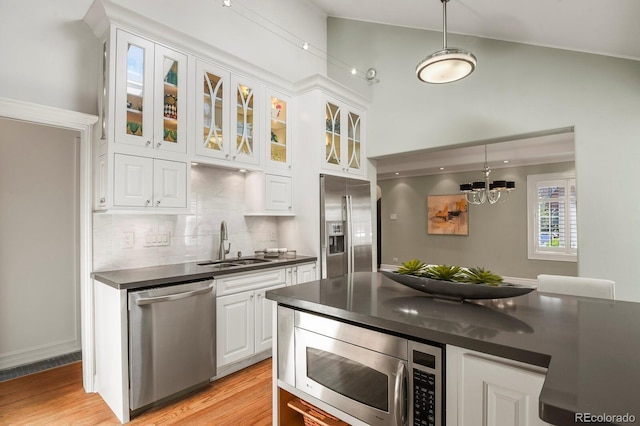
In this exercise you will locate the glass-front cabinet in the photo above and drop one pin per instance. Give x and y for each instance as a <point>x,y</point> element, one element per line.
<point>342,148</point>
<point>212,115</point>
<point>278,153</point>
<point>245,121</point>
<point>150,94</point>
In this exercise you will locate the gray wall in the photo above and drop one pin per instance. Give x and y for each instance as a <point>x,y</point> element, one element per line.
<point>516,89</point>
<point>39,284</point>
<point>497,237</point>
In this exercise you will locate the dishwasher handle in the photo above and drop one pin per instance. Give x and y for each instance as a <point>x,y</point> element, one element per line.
<point>172,297</point>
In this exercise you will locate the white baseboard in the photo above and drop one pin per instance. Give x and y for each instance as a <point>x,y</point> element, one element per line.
<point>38,353</point>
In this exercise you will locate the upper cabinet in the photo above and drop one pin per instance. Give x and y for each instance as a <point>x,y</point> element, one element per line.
<point>342,150</point>
<point>150,94</point>
<point>245,120</point>
<point>228,109</point>
<point>212,111</point>
<point>278,132</point>
<point>330,123</point>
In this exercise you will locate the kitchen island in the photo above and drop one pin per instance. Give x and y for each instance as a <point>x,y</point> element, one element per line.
<point>587,347</point>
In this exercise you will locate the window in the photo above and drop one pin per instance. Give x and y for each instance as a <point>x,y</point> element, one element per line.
<point>551,212</point>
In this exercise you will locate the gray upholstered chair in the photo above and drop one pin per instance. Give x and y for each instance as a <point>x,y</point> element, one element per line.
<point>577,286</point>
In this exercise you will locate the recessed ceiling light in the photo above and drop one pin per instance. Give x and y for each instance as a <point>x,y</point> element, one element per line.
<point>242,170</point>
<point>397,173</point>
<point>441,168</point>
<point>354,71</point>
<point>505,161</point>
<point>305,46</point>
<point>226,3</point>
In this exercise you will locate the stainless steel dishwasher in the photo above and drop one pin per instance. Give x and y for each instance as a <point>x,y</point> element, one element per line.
<point>172,338</point>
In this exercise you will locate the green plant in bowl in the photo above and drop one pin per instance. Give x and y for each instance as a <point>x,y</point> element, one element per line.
<point>412,267</point>
<point>479,275</point>
<point>444,272</point>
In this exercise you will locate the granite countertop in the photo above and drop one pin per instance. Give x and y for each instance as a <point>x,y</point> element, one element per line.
<point>133,279</point>
<point>590,346</point>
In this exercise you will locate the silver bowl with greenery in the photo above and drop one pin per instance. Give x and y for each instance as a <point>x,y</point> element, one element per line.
<point>454,282</point>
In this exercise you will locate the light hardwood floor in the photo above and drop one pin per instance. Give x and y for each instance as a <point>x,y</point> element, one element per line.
<point>56,397</point>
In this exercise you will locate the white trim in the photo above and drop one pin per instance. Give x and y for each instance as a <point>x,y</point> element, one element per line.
<point>83,123</point>
<point>532,200</point>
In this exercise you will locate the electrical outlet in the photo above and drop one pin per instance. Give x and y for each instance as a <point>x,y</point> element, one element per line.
<point>128,240</point>
<point>273,235</point>
<point>395,259</point>
<point>393,216</point>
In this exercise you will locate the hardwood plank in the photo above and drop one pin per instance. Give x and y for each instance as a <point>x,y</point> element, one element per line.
<point>56,397</point>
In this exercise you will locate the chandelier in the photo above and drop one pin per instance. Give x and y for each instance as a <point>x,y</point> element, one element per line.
<point>448,64</point>
<point>483,191</point>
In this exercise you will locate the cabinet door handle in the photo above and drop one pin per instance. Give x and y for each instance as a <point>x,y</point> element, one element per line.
<point>158,144</point>
<point>251,297</point>
<point>158,203</point>
<point>102,200</point>
<point>148,143</point>
<point>148,202</point>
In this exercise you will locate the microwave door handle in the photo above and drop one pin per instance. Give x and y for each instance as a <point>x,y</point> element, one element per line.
<point>399,394</point>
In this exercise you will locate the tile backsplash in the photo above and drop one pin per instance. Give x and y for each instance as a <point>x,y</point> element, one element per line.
<point>216,195</point>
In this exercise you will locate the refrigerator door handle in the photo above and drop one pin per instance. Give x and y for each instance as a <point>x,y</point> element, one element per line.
<point>350,252</point>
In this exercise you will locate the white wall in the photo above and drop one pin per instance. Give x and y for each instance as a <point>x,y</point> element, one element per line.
<point>55,59</point>
<point>217,195</point>
<point>39,284</point>
<point>516,89</point>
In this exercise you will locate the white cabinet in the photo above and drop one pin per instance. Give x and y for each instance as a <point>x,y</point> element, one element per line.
<point>268,195</point>
<point>148,182</point>
<point>244,316</point>
<point>212,111</point>
<point>245,120</point>
<point>330,121</point>
<point>278,132</point>
<point>483,389</point>
<point>150,94</point>
<point>302,273</point>
<point>141,160</point>
<point>343,145</point>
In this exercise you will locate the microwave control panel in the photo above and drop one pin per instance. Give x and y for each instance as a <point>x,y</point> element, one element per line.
<point>425,363</point>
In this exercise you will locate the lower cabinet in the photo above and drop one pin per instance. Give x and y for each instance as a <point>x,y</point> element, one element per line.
<point>303,273</point>
<point>244,325</point>
<point>243,314</point>
<point>492,391</point>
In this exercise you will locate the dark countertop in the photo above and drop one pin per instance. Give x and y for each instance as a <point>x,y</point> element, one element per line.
<point>133,279</point>
<point>591,347</point>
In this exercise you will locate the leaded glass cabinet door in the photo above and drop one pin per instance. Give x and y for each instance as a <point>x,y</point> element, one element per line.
<point>333,136</point>
<point>246,122</point>
<point>353,142</point>
<point>134,90</point>
<point>212,115</point>
<point>278,152</point>
<point>170,132</point>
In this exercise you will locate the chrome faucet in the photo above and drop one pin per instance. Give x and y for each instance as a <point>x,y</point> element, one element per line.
<point>224,236</point>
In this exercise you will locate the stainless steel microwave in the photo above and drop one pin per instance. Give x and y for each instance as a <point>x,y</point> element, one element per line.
<point>378,378</point>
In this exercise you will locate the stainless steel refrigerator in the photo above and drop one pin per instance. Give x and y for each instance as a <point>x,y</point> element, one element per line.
<point>345,226</point>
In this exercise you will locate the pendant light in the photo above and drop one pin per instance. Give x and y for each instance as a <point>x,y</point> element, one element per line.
<point>446,65</point>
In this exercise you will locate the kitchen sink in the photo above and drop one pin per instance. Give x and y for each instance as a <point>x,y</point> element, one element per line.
<point>217,264</point>
<point>229,263</point>
<point>248,261</point>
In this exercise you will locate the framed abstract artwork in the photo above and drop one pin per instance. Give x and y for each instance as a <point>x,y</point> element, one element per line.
<point>447,215</point>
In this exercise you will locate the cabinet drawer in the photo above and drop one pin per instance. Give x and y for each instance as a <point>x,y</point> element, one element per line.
<point>250,281</point>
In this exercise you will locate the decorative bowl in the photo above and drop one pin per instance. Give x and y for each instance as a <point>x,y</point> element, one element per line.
<point>459,291</point>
